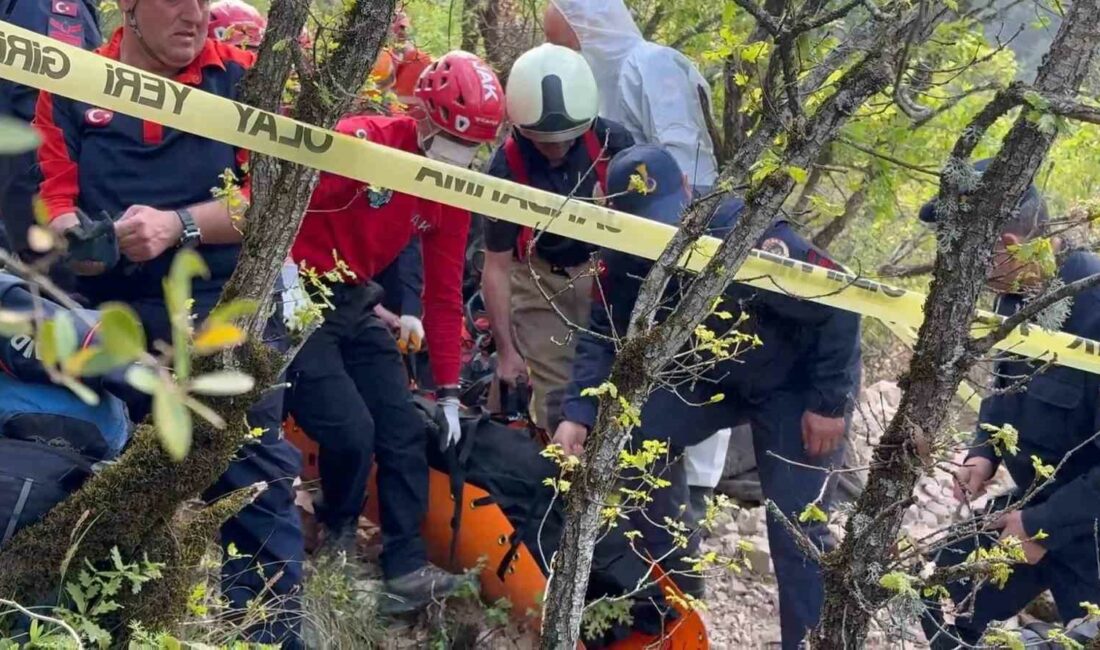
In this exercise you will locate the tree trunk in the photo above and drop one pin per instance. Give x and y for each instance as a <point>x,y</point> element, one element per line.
<point>132,503</point>
<point>470,31</point>
<point>507,31</point>
<point>944,350</point>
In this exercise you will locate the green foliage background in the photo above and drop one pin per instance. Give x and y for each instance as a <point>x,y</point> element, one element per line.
<point>969,53</point>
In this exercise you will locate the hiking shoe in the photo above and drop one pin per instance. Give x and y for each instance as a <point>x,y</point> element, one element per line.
<point>416,590</point>
<point>341,539</point>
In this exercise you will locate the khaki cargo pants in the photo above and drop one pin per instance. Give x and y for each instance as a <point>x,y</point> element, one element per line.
<point>544,339</point>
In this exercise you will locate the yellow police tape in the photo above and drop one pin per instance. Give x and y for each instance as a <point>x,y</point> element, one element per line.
<point>37,61</point>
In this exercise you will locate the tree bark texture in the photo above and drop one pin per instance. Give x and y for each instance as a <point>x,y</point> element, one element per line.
<point>470,33</point>
<point>647,348</point>
<point>944,350</point>
<point>132,504</point>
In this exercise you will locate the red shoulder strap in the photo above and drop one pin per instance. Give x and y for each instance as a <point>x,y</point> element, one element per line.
<point>518,168</point>
<point>596,154</point>
<point>514,158</point>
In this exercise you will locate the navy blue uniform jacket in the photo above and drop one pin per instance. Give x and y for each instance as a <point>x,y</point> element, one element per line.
<point>73,22</point>
<point>807,347</point>
<point>1057,413</point>
<point>101,161</point>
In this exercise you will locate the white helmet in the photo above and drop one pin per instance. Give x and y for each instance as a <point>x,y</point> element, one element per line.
<point>551,94</point>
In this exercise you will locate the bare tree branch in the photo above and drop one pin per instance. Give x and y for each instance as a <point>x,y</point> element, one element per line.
<point>820,21</point>
<point>763,18</point>
<point>906,271</point>
<point>982,346</point>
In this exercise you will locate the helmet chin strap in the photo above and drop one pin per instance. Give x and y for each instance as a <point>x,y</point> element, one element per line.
<point>131,21</point>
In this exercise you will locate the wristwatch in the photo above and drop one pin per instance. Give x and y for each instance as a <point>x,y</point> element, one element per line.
<point>444,392</point>
<point>191,234</point>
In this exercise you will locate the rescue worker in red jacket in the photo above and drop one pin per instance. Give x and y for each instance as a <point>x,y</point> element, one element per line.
<point>349,387</point>
<point>410,60</point>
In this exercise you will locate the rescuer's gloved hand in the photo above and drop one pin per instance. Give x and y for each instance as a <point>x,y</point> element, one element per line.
<point>92,245</point>
<point>450,406</point>
<point>411,336</point>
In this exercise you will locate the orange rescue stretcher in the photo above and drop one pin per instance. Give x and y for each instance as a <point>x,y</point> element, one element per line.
<point>484,535</point>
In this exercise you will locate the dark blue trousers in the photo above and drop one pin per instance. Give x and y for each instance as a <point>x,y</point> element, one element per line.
<point>350,393</point>
<point>777,438</point>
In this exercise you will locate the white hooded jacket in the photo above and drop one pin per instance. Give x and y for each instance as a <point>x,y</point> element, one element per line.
<point>650,89</point>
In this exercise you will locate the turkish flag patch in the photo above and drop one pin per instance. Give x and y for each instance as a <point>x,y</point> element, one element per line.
<point>98,117</point>
<point>65,8</point>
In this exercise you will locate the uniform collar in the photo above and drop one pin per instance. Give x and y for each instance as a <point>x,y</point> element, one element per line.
<point>191,75</point>
<point>535,157</point>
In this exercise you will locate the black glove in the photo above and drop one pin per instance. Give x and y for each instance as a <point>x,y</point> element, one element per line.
<point>93,245</point>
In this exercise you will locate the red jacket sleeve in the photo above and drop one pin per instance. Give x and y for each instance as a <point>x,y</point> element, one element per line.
<point>57,155</point>
<point>444,264</point>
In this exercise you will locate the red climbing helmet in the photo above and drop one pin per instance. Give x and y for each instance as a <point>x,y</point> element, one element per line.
<point>462,96</point>
<point>237,23</point>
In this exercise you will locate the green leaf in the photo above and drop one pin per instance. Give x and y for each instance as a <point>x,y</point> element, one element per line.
<point>121,333</point>
<point>899,583</point>
<point>813,513</point>
<point>799,174</point>
<point>104,607</point>
<point>231,311</point>
<point>76,594</point>
<point>1036,101</point>
<point>762,167</point>
<point>93,362</point>
<point>86,395</point>
<point>1004,439</point>
<point>218,337</point>
<point>15,323</point>
<point>1007,639</point>
<point>225,383</point>
<point>143,379</point>
<point>210,415</point>
<point>186,266</point>
<point>64,335</point>
<point>1042,470</point>
<point>16,137</point>
<point>46,344</point>
<point>173,422</point>
<point>753,52</point>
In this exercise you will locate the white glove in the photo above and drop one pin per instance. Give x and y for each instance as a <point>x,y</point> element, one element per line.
<point>454,426</point>
<point>412,334</point>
